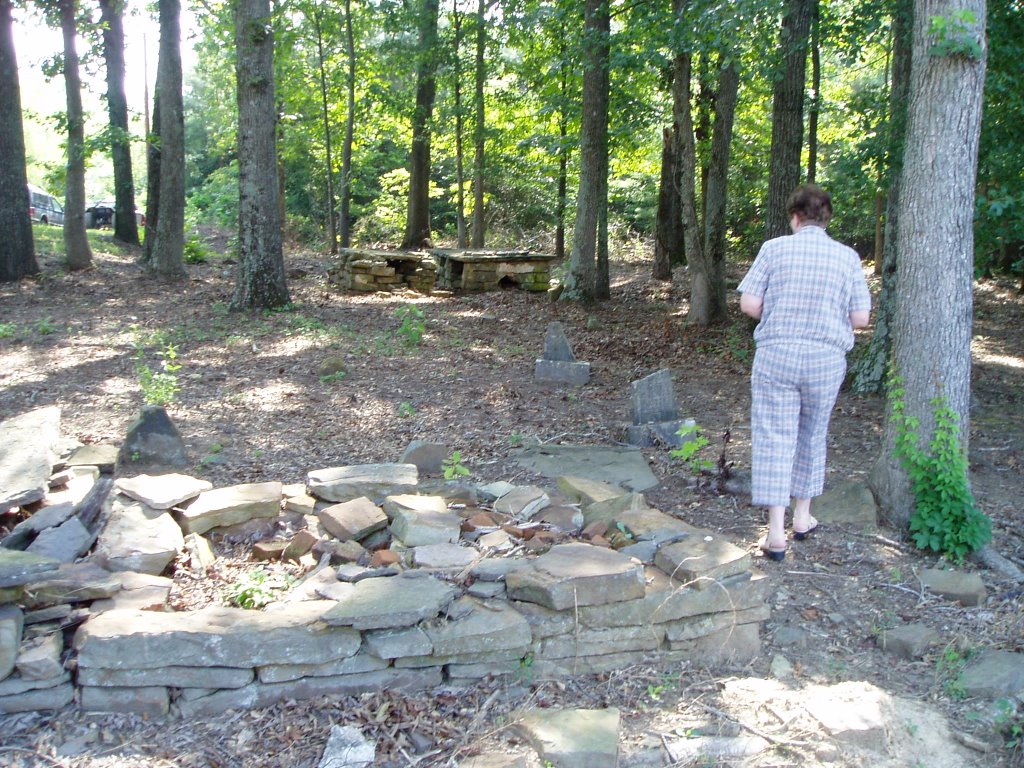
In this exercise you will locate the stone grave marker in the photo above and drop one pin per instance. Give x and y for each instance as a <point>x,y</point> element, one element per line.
<point>655,412</point>
<point>559,365</point>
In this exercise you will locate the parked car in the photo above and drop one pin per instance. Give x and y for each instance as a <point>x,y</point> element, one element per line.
<point>44,207</point>
<point>102,214</point>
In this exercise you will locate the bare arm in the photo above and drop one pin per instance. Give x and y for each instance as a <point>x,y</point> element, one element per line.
<point>751,305</point>
<point>860,318</point>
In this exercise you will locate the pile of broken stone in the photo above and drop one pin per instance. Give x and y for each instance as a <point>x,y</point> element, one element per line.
<point>409,581</point>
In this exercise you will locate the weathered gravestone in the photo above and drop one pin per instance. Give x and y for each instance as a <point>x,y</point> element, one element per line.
<point>655,412</point>
<point>559,364</point>
<point>153,440</point>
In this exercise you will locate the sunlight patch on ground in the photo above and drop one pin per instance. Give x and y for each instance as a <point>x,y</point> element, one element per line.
<point>986,350</point>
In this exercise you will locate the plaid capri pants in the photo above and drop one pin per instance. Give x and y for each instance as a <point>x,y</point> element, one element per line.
<point>794,388</point>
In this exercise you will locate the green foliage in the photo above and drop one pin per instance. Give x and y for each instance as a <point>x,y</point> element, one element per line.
<point>256,589</point>
<point>45,326</point>
<point>8,330</point>
<point>452,467</point>
<point>949,668</point>
<point>946,519</point>
<point>159,387</point>
<point>1010,723</point>
<point>689,452</point>
<point>406,409</point>
<point>196,251</point>
<point>413,324</point>
<point>333,378</point>
<point>954,35</point>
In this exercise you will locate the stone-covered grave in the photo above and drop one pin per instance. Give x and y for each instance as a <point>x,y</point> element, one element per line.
<point>408,582</point>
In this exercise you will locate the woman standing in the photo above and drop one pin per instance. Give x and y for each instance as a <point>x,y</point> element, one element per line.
<point>809,293</point>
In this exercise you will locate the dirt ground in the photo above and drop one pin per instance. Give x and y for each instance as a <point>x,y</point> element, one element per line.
<point>261,398</point>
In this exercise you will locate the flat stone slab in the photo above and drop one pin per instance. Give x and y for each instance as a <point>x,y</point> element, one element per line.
<point>522,502</point>
<point>573,738</point>
<point>137,538</point>
<point>910,641</point>
<point>12,622</point>
<point>39,659</point>
<point>850,503</point>
<point>486,627</point>
<point>444,557</point>
<point>392,602</point>
<point>701,559</point>
<point>17,568</point>
<point>619,466</point>
<point>71,583</point>
<point>573,575</point>
<point>174,677</point>
<point>965,588</point>
<point>420,520</point>
<point>223,507</point>
<point>371,480</point>
<point>40,520</point>
<point>353,520</point>
<point>560,372</point>
<point>56,697</point>
<point>214,636</point>
<point>27,454</point>
<point>139,592</point>
<point>103,456</point>
<point>163,491</point>
<point>587,491</point>
<point>994,674</point>
<point>347,748</point>
<point>65,542</point>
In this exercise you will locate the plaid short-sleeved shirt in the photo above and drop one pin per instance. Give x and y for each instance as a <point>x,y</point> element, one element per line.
<point>809,285</point>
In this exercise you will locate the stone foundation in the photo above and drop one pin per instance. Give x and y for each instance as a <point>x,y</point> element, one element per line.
<point>491,270</point>
<point>371,270</point>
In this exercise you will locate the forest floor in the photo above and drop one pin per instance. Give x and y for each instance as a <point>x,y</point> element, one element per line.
<point>256,403</point>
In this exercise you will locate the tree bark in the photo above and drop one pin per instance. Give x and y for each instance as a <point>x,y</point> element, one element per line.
<point>563,152</point>
<point>152,183</point>
<point>350,121</point>
<point>867,374</point>
<point>460,164</point>
<point>711,270</point>
<point>693,242</point>
<point>417,227</point>
<point>479,125</point>
<point>934,239</point>
<point>17,247</point>
<point>332,233</point>
<point>78,255</point>
<point>167,259</point>
<point>581,279</point>
<point>787,115</point>
<point>668,224</point>
<point>814,109</point>
<point>260,281</point>
<point>126,228</point>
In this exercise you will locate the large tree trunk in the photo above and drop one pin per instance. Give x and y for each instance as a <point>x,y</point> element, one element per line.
<point>260,282</point>
<point>788,115</point>
<point>167,258</point>
<point>350,121</point>
<point>581,279</point>
<point>711,272</point>
<point>417,226</point>
<point>126,228</point>
<point>332,232</point>
<point>934,239</point>
<point>479,125</point>
<point>78,255</point>
<point>693,241</point>
<point>17,249</point>
<point>867,374</point>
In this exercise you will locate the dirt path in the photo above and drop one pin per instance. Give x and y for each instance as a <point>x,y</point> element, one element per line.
<point>256,404</point>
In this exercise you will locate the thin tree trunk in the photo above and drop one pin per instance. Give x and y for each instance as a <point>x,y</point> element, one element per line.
<point>814,107</point>
<point>152,183</point>
<point>17,248</point>
<point>580,281</point>
<point>126,228</point>
<point>787,115</point>
<point>563,152</point>
<point>932,321</point>
<point>867,374</point>
<point>479,125</point>
<point>78,255</point>
<point>346,154</point>
<point>417,228</point>
<point>716,198</point>
<point>668,232</point>
<point>168,259</point>
<point>460,172</point>
<point>260,281</point>
<point>602,275</point>
<point>332,233</point>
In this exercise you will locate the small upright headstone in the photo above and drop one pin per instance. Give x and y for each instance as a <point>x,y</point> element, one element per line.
<point>655,411</point>
<point>556,344</point>
<point>559,364</point>
<point>154,440</point>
